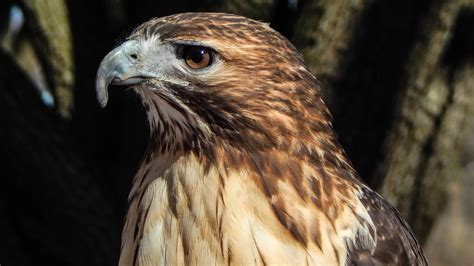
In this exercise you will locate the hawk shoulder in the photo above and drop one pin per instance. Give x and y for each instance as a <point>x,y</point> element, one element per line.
<point>395,245</point>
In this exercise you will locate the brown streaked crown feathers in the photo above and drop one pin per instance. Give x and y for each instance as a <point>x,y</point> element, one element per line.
<point>243,165</point>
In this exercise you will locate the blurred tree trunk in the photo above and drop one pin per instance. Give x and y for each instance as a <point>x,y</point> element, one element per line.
<point>41,45</point>
<point>415,152</point>
<point>54,209</point>
<point>422,146</point>
<point>51,35</point>
<point>397,76</point>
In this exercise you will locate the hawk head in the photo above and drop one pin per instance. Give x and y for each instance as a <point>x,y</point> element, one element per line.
<point>210,77</point>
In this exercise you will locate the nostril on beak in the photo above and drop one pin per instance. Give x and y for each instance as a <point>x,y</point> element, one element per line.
<point>133,56</point>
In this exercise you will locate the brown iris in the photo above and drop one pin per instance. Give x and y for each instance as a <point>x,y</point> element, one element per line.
<point>197,57</point>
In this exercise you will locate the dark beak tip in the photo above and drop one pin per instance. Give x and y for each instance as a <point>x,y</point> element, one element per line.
<point>102,104</point>
<point>102,100</point>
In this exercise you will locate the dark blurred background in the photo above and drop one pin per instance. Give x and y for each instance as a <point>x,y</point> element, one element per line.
<point>398,77</point>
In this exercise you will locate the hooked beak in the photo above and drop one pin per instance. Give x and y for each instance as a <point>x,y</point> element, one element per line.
<point>119,67</point>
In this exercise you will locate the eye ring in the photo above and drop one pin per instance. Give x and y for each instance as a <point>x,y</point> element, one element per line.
<point>197,57</point>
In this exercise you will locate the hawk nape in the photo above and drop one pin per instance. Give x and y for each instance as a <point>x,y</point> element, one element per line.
<point>243,165</point>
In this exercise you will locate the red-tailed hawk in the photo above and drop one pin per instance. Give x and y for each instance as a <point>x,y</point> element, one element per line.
<point>243,165</point>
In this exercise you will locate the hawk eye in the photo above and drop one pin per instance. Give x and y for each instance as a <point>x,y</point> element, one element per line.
<point>197,57</point>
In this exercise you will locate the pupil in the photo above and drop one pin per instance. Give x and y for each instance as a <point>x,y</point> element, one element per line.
<point>197,55</point>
